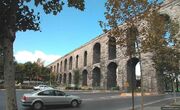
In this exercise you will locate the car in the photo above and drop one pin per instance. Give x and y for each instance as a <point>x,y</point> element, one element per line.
<point>1,81</point>
<point>41,87</point>
<point>38,99</point>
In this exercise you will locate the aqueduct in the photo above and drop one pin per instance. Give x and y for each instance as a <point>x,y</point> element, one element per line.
<point>103,65</point>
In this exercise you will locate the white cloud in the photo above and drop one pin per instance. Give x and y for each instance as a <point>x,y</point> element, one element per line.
<point>25,56</point>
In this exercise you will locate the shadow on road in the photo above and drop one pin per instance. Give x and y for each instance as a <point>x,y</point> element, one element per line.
<point>57,107</point>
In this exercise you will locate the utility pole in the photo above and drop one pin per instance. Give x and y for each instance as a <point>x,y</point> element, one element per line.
<point>132,86</point>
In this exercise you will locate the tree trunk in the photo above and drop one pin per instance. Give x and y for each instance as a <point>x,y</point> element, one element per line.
<point>160,81</point>
<point>9,73</point>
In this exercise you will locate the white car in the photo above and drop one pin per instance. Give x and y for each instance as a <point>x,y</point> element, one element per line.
<point>38,99</point>
<point>41,87</point>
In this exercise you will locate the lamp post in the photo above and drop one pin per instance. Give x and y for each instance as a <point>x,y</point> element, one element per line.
<point>174,90</point>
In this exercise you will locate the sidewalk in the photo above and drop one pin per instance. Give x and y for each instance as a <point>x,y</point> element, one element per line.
<point>171,106</point>
<point>152,108</point>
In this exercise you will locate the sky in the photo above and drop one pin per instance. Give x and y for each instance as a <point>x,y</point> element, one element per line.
<point>60,34</point>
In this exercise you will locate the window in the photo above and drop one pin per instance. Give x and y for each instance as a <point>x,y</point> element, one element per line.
<point>59,93</point>
<point>47,93</point>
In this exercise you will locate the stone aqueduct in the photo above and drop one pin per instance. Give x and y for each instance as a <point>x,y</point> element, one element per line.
<point>102,65</point>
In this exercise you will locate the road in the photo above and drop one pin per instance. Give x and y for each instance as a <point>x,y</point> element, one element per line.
<point>97,101</point>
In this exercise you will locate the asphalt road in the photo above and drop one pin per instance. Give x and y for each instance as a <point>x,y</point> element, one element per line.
<point>97,101</point>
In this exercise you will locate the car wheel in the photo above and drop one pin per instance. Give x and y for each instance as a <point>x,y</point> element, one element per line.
<point>37,105</point>
<point>74,103</point>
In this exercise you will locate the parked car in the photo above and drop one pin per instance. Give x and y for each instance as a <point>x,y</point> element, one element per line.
<point>38,99</point>
<point>41,87</point>
<point>1,81</point>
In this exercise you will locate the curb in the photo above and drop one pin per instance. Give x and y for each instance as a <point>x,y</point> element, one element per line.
<point>138,94</point>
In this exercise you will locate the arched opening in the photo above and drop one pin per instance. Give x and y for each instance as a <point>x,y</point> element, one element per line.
<point>96,76</point>
<point>54,69</point>
<point>138,75</point>
<point>69,78</point>
<point>111,75</point>
<point>70,63</point>
<point>85,58</point>
<point>96,53</point>
<point>84,78</point>
<point>57,67</point>
<point>65,64</point>
<point>77,61</point>
<point>64,78</point>
<point>133,77</point>
<point>112,48</point>
<point>60,78</point>
<point>131,41</point>
<point>61,67</point>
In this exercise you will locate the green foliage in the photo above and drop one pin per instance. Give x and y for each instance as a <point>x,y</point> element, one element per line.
<point>26,18</point>
<point>127,11</point>
<point>167,59</point>
<point>156,32</point>
<point>19,15</point>
<point>77,77</point>
<point>31,71</point>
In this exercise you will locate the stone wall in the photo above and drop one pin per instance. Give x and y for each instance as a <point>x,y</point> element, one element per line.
<point>109,72</point>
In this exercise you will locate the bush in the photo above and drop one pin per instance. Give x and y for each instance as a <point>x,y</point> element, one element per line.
<point>115,88</point>
<point>73,88</point>
<point>26,87</point>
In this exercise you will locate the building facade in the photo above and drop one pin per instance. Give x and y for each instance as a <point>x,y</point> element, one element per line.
<point>102,64</point>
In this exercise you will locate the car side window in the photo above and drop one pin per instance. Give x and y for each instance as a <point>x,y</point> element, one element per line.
<point>59,93</point>
<point>47,93</point>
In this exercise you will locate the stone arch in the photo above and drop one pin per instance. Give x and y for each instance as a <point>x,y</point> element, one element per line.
<point>64,78</point>
<point>60,78</point>
<point>57,67</point>
<point>169,24</point>
<point>84,77</point>
<point>77,61</point>
<point>65,64</point>
<point>61,67</point>
<point>96,53</point>
<point>96,77</point>
<point>111,75</point>
<point>131,74</point>
<point>85,58</point>
<point>70,63</point>
<point>111,48</point>
<point>70,78</point>
<point>132,34</point>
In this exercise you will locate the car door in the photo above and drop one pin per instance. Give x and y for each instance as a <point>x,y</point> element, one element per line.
<point>61,97</point>
<point>48,97</point>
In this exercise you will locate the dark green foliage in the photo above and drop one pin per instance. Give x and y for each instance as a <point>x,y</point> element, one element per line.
<point>26,18</point>
<point>31,71</point>
<point>76,77</point>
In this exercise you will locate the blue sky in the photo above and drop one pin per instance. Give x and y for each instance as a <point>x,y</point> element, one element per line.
<point>60,34</point>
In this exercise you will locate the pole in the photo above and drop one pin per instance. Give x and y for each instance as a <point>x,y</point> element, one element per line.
<point>142,88</point>
<point>140,64</point>
<point>174,88</point>
<point>132,86</point>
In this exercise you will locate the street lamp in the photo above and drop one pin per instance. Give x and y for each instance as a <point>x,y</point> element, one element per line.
<point>174,90</point>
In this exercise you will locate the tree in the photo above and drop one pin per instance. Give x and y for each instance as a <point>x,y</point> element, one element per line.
<point>19,72</point>
<point>16,15</point>
<point>31,71</point>
<point>166,61</point>
<point>125,16</point>
<point>1,63</point>
<point>77,77</point>
<point>45,73</point>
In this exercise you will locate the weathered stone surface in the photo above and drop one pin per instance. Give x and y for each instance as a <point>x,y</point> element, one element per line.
<point>114,71</point>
